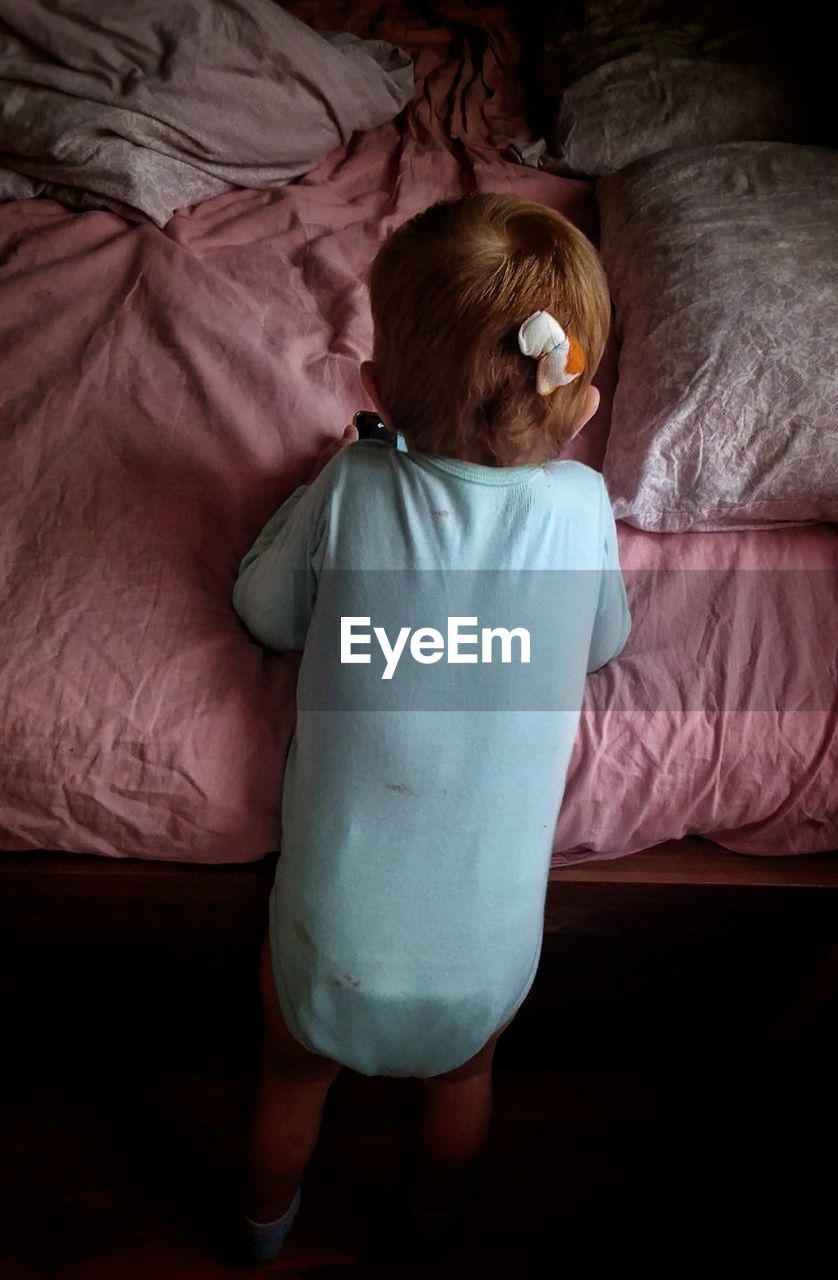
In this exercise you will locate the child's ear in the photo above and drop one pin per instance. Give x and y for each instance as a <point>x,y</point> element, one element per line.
<point>369,382</point>
<point>588,408</point>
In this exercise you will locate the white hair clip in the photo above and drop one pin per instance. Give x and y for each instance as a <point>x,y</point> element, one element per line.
<point>559,356</point>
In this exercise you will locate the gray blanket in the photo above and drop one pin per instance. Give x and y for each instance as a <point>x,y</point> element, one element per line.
<point>145,106</point>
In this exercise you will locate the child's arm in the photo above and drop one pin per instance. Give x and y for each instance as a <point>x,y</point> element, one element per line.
<point>613,620</point>
<point>278,579</point>
<point>277,583</point>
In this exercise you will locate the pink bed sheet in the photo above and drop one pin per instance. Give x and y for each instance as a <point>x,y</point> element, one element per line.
<point>164,390</point>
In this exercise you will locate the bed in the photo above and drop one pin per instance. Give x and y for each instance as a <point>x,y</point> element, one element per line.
<point>165,387</point>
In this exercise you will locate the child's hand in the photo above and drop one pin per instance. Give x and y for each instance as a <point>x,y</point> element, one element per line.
<point>350,435</point>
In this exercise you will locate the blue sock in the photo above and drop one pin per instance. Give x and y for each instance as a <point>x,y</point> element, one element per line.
<point>262,1241</point>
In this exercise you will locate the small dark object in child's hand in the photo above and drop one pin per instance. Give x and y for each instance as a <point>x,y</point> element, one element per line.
<point>370,427</point>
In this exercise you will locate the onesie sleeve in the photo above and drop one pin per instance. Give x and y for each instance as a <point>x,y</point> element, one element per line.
<point>277,583</point>
<point>613,620</point>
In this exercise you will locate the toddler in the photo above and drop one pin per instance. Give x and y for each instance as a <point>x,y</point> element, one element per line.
<point>419,807</point>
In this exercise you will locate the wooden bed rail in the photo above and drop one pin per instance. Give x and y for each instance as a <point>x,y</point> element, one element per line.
<point>691,861</point>
<point>66,892</point>
<point>175,946</point>
<point>700,862</point>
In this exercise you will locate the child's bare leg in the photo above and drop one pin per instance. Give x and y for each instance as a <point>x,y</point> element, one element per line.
<point>284,1123</point>
<point>455,1115</point>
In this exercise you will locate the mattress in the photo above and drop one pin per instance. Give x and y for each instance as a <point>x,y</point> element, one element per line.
<point>163,390</point>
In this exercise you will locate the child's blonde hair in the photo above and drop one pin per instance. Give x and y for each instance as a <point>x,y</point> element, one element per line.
<point>449,290</point>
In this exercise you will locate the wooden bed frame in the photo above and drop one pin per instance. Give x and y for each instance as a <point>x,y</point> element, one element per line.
<point>178,921</point>
<point>39,882</point>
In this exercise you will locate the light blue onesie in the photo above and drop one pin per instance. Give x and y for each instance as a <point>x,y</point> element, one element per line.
<point>419,807</point>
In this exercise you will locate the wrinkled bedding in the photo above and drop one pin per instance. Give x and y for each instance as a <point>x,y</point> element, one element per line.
<point>146,106</point>
<point>162,391</point>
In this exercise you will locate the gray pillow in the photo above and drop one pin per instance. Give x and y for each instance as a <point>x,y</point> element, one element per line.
<point>623,79</point>
<point>723,266</point>
<point>649,101</point>
<point>584,34</point>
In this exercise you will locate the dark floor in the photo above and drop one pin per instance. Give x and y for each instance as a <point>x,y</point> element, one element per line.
<point>615,1145</point>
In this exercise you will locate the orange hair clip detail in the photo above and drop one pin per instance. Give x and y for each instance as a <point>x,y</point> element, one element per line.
<point>560,357</point>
